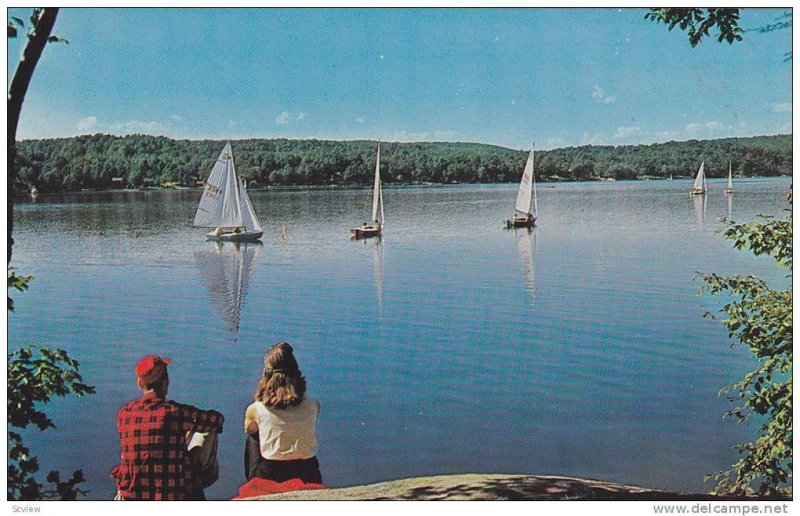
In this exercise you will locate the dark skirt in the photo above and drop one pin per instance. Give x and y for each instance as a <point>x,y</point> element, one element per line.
<point>256,466</point>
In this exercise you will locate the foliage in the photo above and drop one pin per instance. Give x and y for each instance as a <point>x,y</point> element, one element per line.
<point>17,23</point>
<point>105,161</point>
<point>784,21</point>
<point>699,22</point>
<point>761,319</point>
<point>16,282</point>
<point>35,375</point>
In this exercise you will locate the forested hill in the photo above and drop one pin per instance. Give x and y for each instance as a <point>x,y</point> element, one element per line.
<point>104,161</point>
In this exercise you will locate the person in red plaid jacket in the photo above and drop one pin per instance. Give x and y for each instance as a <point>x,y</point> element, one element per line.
<point>154,433</point>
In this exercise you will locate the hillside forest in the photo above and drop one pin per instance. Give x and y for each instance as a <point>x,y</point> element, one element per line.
<point>100,162</point>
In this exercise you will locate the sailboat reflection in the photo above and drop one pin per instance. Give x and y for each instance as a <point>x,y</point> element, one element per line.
<point>227,269</point>
<point>376,245</point>
<point>700,204</point>
<point>730,207</point>
<point>526,246</point>
<point>377,265</point>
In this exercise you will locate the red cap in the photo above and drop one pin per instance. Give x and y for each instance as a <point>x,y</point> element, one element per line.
<point>151,368</point>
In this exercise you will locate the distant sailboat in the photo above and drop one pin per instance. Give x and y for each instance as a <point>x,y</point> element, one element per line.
<point>374,227</point>
<point>729,190</point>
<point>523,216</point>
<point>700,186</point>
<point>225,204</point>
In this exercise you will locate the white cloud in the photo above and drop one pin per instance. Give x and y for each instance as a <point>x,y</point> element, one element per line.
<point>88,123</point>
<point>405,136</point>
<point>287,117</point>
<point>717,129</point>
<point>712,128</point>
<point>360,119</point>
<point>593,139</point>
<point>782,108</point>
<point>139,127</point>
<point>176,118</point>
<point>600,96</point>
<point>627,132</point>
<point>627,135</point>
<point>552,143</point>
<point>231,122</point>
<point>694,127</point>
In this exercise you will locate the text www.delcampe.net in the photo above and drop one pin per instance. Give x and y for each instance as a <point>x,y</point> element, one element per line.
<point>720,508</point>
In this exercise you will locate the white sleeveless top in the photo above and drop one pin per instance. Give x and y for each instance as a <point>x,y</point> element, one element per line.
<point>288,433</point>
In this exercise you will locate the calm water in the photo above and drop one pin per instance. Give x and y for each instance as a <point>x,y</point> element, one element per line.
<point>450,345</point>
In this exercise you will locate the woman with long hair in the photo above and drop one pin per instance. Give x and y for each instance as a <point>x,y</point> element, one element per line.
<point>281,423</point>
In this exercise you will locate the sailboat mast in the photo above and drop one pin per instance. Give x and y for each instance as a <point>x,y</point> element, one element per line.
<point>730,175</point>
<point>376,187</point>
<point>236,184</point>
<point>533,178</point>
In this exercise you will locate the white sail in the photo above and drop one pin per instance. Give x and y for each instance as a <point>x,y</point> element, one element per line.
<point>219,205</point>
<point>700,180</point>
<point>377,196</point>
<point>523,204</point>
<point>249,220</point>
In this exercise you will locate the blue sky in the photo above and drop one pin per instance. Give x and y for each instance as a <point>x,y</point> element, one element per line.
<point>558,76</point>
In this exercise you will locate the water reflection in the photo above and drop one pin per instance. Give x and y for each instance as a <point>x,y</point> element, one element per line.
<point>377,265</point>
<point>730,206</point>
<point>700,205</point>
<point>376,246</point>
<point>526,247</point>
<point>226,270</point>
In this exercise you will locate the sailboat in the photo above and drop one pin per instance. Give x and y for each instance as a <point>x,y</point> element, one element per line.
<point>729,190</point>
<point>373,228</point>
<point>523,216</point>
<point>225,204</point>
<point>700,187</point>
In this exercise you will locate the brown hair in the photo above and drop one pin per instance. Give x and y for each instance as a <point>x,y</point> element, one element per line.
<point>281,384</point>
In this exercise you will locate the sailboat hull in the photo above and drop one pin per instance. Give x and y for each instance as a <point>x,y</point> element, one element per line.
<point>697,192</point>
<point>244,236</point>
<point>521,223</point>
<point>366,231</point>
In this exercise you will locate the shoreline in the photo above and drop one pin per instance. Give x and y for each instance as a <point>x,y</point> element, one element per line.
<point>20,193</point>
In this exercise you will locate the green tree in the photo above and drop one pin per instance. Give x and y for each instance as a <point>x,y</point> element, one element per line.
<point>42,21</point>
<point>35,375</point>
<point>760,318</point>
<point>699,22</point>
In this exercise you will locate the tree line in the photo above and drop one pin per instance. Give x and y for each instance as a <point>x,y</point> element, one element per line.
<point>100,161</point>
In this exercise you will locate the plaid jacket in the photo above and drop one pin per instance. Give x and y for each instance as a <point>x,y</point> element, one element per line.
<point>153,436</point>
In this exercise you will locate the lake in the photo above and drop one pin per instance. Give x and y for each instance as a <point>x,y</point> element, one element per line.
<point>449,345</point>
